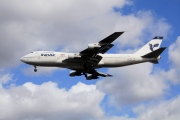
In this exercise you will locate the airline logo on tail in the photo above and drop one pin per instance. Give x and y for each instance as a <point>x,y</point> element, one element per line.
<point>151,46</point>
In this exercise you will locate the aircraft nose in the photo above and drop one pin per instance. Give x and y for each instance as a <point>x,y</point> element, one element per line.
<point>22,59</point>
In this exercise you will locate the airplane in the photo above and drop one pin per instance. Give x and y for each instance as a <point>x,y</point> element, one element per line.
<point>88,60</point>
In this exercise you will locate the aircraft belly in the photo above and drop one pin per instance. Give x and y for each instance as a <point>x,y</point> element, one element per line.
<point>43,63</point>
<point>70,65</point>
<point>56,64</point>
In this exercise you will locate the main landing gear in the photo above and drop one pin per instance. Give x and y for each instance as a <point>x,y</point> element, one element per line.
<point>85,74</point>
<point>35,69</point>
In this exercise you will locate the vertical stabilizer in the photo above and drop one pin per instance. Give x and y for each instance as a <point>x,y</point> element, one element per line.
<point>151,46</point>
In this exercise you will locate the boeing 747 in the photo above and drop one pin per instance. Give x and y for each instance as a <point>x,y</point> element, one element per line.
<point>89,60</point>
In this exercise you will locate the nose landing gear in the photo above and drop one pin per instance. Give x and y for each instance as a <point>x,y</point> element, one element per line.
<point>35,69</point>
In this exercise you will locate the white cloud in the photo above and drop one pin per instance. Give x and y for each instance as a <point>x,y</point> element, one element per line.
<point>47,102</point>
<point>5,77</point>
<point>174,55</point>
<point>166,110</point>
<point>173,74</point>
<point>133,84</point>
<point>50,25</point>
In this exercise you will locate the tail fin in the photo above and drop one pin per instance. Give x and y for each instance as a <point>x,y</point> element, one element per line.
<point>151,46</point>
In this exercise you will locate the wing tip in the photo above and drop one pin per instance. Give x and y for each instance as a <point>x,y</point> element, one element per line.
<point>120,32</point>
<point>108,75</point>
<point>158,37</point>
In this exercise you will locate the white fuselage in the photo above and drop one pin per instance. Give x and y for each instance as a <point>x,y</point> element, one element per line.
<point>74,61</point>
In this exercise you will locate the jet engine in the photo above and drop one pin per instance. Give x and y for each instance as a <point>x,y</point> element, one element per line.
<point>93,46</point>
<point>74,73</point>
<point>90,76</point>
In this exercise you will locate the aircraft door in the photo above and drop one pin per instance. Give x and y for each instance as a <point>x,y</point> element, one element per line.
<point>60,57</point>
<point>38,56</point>
<point>131,60</point>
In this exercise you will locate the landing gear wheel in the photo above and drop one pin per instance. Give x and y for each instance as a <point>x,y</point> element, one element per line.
<point>35,69</point>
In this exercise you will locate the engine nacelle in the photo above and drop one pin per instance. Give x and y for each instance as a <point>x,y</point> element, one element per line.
<point>74,73</point>
<point>159,57</point>
<point>73,55</point>
<point>90,77</point>
<point>93,46</point>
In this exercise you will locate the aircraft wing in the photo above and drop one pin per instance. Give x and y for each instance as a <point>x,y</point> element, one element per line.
<point>102,46</point>
<point>90,55</point>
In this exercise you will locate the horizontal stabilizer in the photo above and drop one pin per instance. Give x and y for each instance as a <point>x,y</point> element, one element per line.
<point>103,74</point>
<point>154,62</point>
<point>94,75</point>
<point>155,53</point>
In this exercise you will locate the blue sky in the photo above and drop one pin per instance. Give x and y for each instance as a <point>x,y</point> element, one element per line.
<point>143,91</point>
